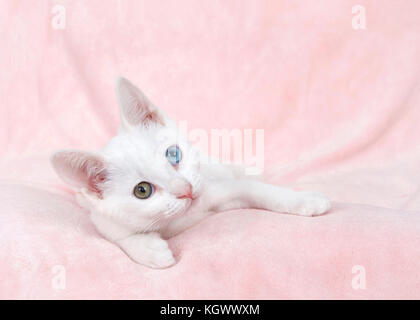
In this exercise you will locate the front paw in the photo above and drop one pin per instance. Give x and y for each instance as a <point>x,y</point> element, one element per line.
<point>311,204</point>
<point>160,259</point>
<point>153,252</point>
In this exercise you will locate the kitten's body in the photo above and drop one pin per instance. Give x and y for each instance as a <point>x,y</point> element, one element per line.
<point>183,195</point>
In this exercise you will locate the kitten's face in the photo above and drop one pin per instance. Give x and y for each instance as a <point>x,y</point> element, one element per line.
<point>152,174</point>
<point>147,174</point>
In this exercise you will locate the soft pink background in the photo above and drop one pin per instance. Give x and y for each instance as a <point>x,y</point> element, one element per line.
<point>340,109</point>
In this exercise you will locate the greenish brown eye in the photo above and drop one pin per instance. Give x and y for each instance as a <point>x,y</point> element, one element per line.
<point>143,190</point>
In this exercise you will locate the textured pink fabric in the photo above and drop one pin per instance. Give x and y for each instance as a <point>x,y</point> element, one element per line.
<point>340,109</point>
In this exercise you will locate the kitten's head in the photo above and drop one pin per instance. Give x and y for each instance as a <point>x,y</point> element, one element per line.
<point>146,174</point>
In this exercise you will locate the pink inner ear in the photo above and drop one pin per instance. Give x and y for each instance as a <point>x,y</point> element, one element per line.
<point>153,117</point>
<point>140,114</point>
<point>81,169</point>
<point>94,173</point>
<point>136,108</point>
<point>94,182</point>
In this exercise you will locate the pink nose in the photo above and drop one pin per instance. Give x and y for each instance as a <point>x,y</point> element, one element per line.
<point>187,193</point>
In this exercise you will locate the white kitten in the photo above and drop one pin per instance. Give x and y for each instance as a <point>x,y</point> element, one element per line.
<point>149,183</point>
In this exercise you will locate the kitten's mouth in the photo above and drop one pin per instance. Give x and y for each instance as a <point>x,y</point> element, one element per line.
<point>187,196</point>
<point>188,193</point>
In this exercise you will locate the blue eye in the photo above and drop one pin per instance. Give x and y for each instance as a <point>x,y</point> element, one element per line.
<point>174,155</point>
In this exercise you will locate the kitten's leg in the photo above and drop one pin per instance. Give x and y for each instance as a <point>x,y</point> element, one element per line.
<point>148,249</point>
<point>145,248</point>
<point>247,193</point>
<point>223,195</point>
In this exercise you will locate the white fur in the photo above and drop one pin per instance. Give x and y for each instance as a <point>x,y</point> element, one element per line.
<point>105,180</point>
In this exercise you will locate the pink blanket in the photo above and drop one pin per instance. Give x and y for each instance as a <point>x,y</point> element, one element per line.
<point>338,97</point>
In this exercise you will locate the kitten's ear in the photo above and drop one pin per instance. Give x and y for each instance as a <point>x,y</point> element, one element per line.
<point>80,169</point>
<point>135,108</point>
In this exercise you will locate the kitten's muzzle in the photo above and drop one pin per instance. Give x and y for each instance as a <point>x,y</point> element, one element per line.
<point>187,194</point>
<point>181,189</point>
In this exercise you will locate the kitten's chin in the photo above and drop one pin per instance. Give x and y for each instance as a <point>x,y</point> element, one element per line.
<point>179,208</point>
<point>187,205</point>
<point>161,220</point>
